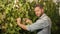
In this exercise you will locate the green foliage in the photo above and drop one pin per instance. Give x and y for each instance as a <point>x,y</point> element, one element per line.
<point>9,12</point>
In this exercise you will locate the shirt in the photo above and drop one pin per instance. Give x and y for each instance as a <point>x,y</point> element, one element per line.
<point>43,23</point>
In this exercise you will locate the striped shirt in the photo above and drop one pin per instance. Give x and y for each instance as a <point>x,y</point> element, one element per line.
<point>43,23</point>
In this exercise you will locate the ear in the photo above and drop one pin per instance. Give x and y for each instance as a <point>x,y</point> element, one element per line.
<point>42,10</point>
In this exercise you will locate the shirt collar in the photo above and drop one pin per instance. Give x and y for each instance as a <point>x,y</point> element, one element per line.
<point>42,15</point>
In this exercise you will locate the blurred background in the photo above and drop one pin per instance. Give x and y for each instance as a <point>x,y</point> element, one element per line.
<point>12,9</point>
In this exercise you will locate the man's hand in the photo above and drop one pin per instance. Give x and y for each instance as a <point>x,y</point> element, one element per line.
<point>21,25</point>
<point>18,21</point>
<point>28,21</point>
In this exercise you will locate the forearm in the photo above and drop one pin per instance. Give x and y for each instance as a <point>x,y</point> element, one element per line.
<point>22,26</point>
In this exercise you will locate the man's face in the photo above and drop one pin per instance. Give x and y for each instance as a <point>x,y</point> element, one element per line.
<point>38,11</point>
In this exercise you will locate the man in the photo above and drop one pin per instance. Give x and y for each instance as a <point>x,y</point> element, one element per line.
<point>43,24</point>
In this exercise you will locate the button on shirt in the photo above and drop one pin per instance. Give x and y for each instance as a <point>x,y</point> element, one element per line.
<point>43,23</point>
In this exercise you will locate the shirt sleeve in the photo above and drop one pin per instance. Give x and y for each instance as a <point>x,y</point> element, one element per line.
<point>39,24</point>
